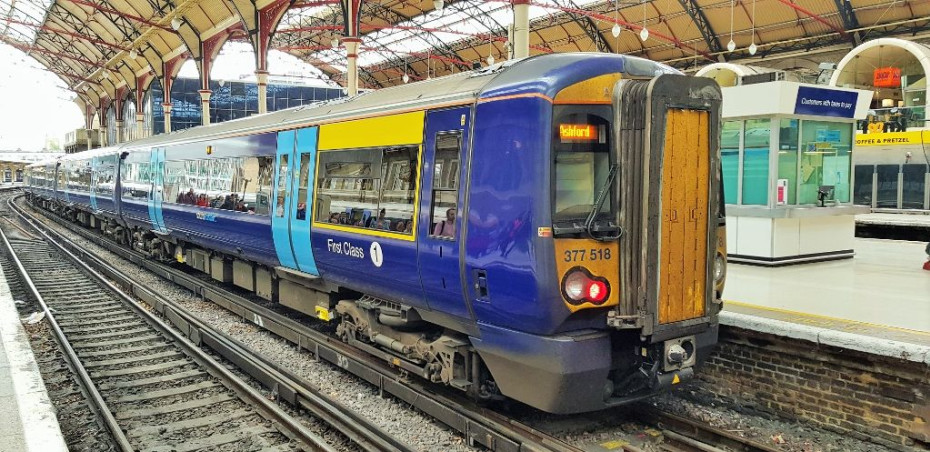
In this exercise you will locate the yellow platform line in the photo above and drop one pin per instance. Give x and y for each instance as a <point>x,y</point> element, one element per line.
<point>825,317</point>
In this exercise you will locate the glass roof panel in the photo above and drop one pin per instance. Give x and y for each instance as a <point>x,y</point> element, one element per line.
<point>23,18</point>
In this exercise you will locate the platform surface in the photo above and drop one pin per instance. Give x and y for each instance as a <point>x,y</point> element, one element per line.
<point>915,219</point>
<point>882,292</point>
<point>28,421</point>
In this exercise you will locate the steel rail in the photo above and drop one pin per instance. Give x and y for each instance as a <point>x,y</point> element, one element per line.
<point>97,403</point>
<point>688,433</point>
<point>288,425</point>
<point>479,426</point>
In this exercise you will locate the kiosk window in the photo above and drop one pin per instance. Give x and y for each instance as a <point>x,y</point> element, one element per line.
<point>756,139</point>
<point>729,159</point>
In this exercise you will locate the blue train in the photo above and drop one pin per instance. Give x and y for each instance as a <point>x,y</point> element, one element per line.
<point>549,230</point>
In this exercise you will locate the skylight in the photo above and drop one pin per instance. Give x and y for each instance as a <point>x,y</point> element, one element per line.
<point>20,19</point>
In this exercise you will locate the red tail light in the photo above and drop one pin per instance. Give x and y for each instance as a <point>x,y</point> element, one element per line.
<point>580,286</point>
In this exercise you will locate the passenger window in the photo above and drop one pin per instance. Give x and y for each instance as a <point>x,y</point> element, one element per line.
<point>302,180</point>
<point>135,181</point>
<point>241,184</point>
<point>368,188</point>
<point>282,186</point>
<point>445,185</point>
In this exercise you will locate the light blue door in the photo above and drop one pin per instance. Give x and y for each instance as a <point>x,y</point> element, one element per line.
<point>156,195</point>
<point>302,199</point>
<point>94,166</point>
<point>293,187</point>
<point>280,226</point>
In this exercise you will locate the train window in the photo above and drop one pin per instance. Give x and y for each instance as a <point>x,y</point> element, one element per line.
<point>581,144</point>
<point>302,181</point>
<point>445,185</point>
<point>136,181</point>
<point>282,186</point>
<point>368,188</point>
<point>242,184</point>
<point>106,171</point>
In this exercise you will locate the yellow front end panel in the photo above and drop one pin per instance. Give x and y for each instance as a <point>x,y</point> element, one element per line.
<point>685,191</point>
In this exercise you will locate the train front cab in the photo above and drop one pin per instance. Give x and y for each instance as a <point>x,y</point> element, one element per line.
<point>640,279</point>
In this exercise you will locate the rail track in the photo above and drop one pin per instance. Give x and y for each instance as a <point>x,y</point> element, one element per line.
<point>480,426</point>
<point>153,388</point>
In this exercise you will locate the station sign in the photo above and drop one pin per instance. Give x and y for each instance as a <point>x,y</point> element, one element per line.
<point>886,77</point>
<point>825,102</point>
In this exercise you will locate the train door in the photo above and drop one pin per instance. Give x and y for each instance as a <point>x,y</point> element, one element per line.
<point>441,204</point>
<point>94,167</point>
<point>157,177</point>
<point>293,188</point>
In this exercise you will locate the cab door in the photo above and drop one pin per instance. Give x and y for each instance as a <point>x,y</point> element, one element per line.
<point>292,206</point>
<point>157,176</point>
<point>441,201</point>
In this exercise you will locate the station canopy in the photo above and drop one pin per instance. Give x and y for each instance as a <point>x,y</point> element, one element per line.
<point>96,45</point>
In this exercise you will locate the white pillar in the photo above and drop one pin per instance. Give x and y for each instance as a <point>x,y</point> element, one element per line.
<point>140,123</point>
<point>119,131</point>
<point>205,106</point>
<point>521,29</point>
<point>352,68</point>
<point>167,109</point>
<point>262,78</point>
<point>90,139</point>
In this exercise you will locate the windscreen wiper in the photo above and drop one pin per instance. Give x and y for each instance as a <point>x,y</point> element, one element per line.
<point>598,202</point>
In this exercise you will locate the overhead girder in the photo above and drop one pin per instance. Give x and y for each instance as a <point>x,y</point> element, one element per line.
<point>587,24</point>
<point>850,21</point>
<point>703,25</point>
<point>468,8</point>
<point>393,17</point>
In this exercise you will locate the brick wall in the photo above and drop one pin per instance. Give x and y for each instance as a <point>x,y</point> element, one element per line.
<point>870,397</point>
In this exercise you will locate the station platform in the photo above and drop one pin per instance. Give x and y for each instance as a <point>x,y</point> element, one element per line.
<point>911,219</point>
<point>28,422</point>
<point>878,301</point>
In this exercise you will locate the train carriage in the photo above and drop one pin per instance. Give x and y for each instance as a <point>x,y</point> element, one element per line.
<point>548,230</point>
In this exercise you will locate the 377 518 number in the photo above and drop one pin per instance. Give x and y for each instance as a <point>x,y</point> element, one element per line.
<point>593,254</point>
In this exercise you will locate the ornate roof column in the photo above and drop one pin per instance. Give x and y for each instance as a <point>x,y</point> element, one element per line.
<point>351,40</point>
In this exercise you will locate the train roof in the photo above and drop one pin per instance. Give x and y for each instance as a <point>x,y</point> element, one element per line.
<point>543,74</point>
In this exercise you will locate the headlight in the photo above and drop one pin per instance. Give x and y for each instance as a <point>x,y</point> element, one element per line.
<point>580,286</point>
<point>720,268</point>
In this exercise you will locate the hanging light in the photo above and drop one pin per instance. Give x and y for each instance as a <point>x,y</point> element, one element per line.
<point>405,78</point>
<point>616,30</point>
<point>335,43</point>
<point>644,34</point>
<point>752,47</point>
<point>490,60</point>
<point>731,46</point>
<point>176,23</point>
<point>133,53</point>
<point>438,4</point>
